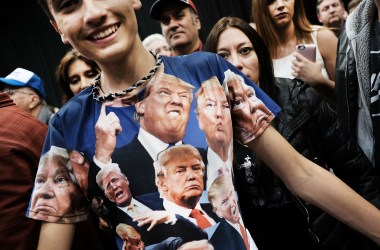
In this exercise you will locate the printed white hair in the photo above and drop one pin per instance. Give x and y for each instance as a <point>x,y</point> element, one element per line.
<point>229,75</point>
<point>113,167</point>
<point>58,152</point>
<point>152,38</point>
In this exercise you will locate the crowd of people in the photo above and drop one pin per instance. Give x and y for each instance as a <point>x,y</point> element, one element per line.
<point>240,141</point>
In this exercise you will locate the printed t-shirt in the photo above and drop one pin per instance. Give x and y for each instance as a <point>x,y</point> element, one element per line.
<point>159,166</point>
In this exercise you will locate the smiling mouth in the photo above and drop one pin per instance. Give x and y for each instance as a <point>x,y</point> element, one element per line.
<point>105,33</point>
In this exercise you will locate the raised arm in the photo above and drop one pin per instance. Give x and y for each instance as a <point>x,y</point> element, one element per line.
<point>56,236</point>
<point>316,185</point>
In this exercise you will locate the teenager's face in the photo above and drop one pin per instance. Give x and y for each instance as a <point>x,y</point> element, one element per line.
<point>80,75</point>
<point>100,30</point>
<point>179,26</point>
<point>234,46</point>
<point>281,12</point>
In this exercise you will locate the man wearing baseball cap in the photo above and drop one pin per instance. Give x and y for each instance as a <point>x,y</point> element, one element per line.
<point>27,91</point>
<point>180,25</point>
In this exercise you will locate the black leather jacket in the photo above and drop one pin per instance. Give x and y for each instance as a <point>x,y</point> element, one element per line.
<point>309,124</point>
<point>353,77</point>
<point>347,86</point>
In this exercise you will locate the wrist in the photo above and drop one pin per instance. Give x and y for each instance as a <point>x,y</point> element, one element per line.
<point>103,164</point>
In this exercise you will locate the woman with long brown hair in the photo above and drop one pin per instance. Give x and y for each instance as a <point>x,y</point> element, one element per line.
<point>283,25</point>
<point>74,73</point>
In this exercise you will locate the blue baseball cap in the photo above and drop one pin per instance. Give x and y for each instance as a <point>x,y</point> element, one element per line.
<point>24,78</point>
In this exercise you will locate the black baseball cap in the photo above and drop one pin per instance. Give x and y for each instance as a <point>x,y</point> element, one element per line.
<point>155,10</point>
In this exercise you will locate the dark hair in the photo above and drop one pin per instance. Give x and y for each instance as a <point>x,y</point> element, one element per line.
<point>321,1</point>
<point>264,175</point>
<point>352,4</point>
<point>45,7</point>
<point>62,71</point>
<point>266,75</point>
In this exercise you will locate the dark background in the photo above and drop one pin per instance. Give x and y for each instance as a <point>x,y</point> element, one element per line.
<point>29,41</point>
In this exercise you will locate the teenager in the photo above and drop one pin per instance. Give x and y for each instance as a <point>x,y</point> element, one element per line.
<point>106,32</point>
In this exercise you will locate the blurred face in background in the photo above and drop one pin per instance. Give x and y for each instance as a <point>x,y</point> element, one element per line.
<point>331,13</point>
<point>24,97</point>
<point>160,47</point>
<point>80,76</point>
<point>180,26</point>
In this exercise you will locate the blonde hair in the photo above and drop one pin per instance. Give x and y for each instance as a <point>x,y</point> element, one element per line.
<point>221,185</point>
<point>169,154</point>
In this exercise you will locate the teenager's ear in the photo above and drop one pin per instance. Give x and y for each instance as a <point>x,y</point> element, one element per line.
<point>136,4</point>
<point>63,38</point>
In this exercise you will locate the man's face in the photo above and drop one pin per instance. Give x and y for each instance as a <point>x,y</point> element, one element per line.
<point>165,112</point>
<point>116,189</point>
<point>331,13</point>
<point>179,26</point>
<point>183,183</point>
<point>250,112</point>
<point>53,190</point>
<point>226,207</point>
<point>23,97</point>
<point>100,30</point>
<point>132,244</point>
<point>214,116</point>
